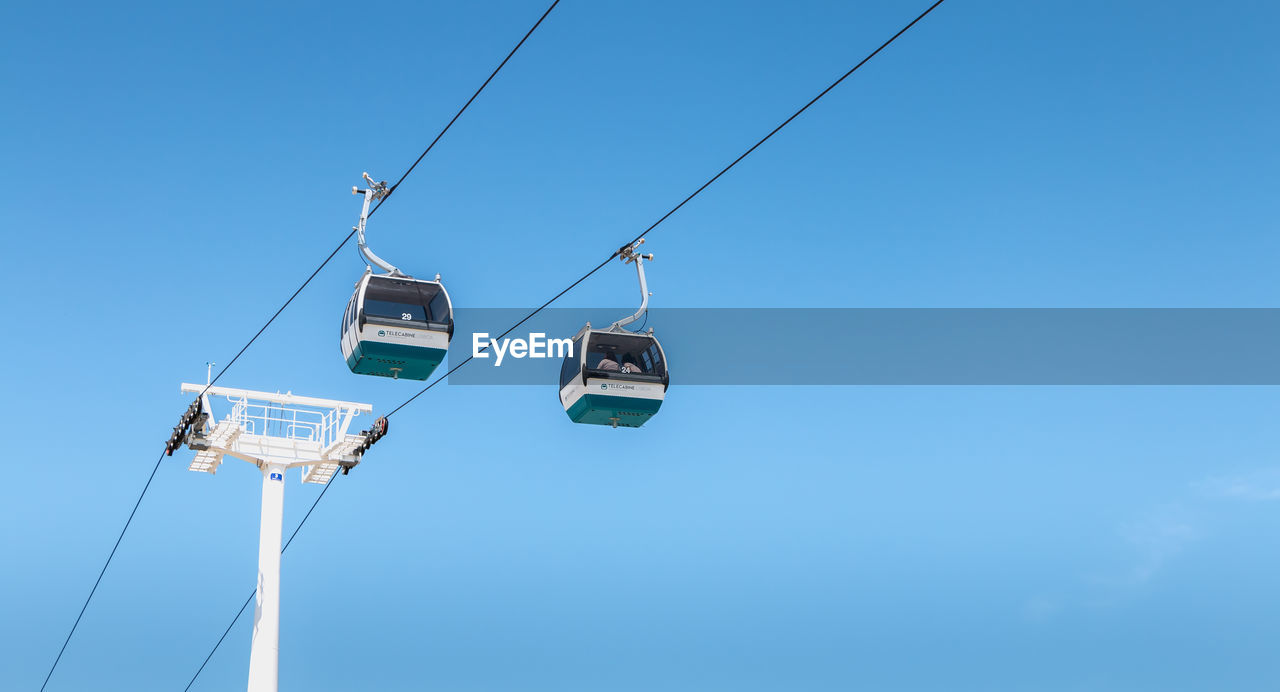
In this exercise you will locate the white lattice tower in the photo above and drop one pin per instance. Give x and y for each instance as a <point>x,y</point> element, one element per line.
<point>276,432</point>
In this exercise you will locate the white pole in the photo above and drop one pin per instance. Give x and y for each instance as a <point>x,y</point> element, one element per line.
<point>264,657</point>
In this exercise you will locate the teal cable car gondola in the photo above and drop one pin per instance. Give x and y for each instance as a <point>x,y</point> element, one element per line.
<point>395,325</point>
<point>614,376</point>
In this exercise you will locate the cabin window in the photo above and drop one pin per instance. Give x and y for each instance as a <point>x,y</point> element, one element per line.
<point>624,355</point>
<point>572,366</point>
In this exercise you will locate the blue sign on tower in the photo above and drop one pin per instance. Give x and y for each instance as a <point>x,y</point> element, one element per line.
<point>277,476</point>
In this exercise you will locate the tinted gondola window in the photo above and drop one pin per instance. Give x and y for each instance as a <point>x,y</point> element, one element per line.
<point>346,315</point>
<point>437,303</point>
<point>392,299</point>
<point>406,300</point>
<point>572,366</point>
<point>625,354</point>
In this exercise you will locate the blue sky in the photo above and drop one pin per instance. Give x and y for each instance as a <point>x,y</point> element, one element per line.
<point>174,171</point>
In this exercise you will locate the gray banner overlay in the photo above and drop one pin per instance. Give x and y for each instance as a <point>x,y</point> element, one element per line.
<point>925,346</point>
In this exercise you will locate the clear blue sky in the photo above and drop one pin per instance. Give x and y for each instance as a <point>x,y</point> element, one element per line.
<point>173,171</point>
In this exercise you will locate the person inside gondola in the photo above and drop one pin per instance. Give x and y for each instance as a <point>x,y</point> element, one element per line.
<point>629,365</point>
<point>607,363</point>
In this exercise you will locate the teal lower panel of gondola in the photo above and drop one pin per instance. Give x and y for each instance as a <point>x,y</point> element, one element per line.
<point>602,409</point>
<point>394,360</point>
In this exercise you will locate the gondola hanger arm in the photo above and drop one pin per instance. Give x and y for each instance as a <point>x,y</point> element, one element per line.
<point>628,255</point>
<point>375,190</point>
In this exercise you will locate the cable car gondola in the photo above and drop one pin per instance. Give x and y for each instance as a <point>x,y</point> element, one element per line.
<point>395,325</point>
<point>614,376</point>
